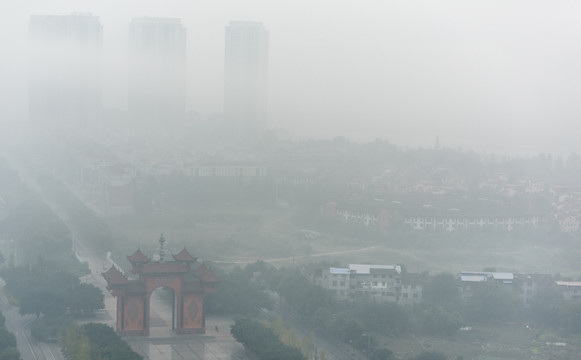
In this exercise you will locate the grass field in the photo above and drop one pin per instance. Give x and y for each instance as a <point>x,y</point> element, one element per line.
<point>238,235</point>
<point>500,342</point>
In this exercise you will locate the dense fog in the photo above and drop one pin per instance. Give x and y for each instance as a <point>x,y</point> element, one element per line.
<point>491,77</point>
<point>290,180</point>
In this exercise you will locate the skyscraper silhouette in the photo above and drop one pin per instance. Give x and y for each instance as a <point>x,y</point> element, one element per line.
<point>245,80</point>
<point>65,72</point>
<point>157,73</point>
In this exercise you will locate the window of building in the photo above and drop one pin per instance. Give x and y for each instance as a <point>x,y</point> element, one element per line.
<point>405,295</point>
<point>415,295</point>
<point>375,283</point>
<point>334,283</point>
<point>342,283</point>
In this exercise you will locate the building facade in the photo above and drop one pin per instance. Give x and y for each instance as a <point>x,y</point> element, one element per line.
<point>571,290</point>
<point>65,72</point>
<point>450,223</point>
<point>380,283</point>
<point>245,80</point>
<point>157,74</point>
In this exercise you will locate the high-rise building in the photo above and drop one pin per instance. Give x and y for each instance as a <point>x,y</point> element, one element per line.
<point>65,72</point>
<point>245,80</point>
<point>157,73</point>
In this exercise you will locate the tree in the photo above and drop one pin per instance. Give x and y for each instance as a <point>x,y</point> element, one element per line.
<point>237,294</point>
<point>381,354</point>
<point>11,353</point>
<point>570,315</point>
<point>7,339</point>
<point>107,344</point>
<point>493,302</point>
<point>322,320</point>
<point>263,341</point>
<point>442,290</point>
<point>430,355</point>
<point>437,321</point>
<point>42,302</point>
<point>545,306</point>
<point>86,298</point>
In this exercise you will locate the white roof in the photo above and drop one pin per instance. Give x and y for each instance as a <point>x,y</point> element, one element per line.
<point>339,271</point>
<point>503,276</point>
<point>569,283</point>
<point>473,277</point>
<point>365,269</point>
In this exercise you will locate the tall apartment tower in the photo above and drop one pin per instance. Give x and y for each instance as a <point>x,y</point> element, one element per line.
<point>245,80</point>
<point>157,73</point>
<point>65,72</point>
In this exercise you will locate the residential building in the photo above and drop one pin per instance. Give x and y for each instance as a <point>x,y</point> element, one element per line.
<point>336,280</point>
<point>226,170</point>
<point>470,280</point>
<point>526,285</point>
<point>381,283</point>
<point>157,74</point>
<point>531,283</point>
<point>411,288</point>
<point>245,80</point>
<point>460,222</point>
<point>65,72</point>
<point>571,290</point>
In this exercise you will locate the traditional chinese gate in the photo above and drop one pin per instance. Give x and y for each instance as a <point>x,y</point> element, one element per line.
<point>133,296</point>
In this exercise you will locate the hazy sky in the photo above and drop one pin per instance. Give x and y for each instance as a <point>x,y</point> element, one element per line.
<point>496,76</point>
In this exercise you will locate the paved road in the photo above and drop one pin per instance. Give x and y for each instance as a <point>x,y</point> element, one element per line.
<point>162,344</point>
<point>18,325</point>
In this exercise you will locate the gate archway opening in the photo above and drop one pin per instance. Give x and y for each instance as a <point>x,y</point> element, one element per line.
<point>162,309</point>
<point>189,284</point>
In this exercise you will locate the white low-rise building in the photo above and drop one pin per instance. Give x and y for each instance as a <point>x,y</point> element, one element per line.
<point>571,290</point>
<point>381,283</point>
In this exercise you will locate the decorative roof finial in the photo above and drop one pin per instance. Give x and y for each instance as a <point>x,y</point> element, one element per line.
<point>161,248</point>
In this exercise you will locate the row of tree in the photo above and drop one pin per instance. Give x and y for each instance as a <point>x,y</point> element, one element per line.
<point>94,341</point>
<point>50,288</point>
<point>95,233</point>
<point>31,226</point>
<point>237,294</point>
<point>442,312</point>
<point>491,302</point>
<point>8,349</point>
<point>42,290</point>
<point>263,342</point>
<point>289,336</point>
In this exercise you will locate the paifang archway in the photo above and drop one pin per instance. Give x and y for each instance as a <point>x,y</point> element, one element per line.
<point>189,286</point>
